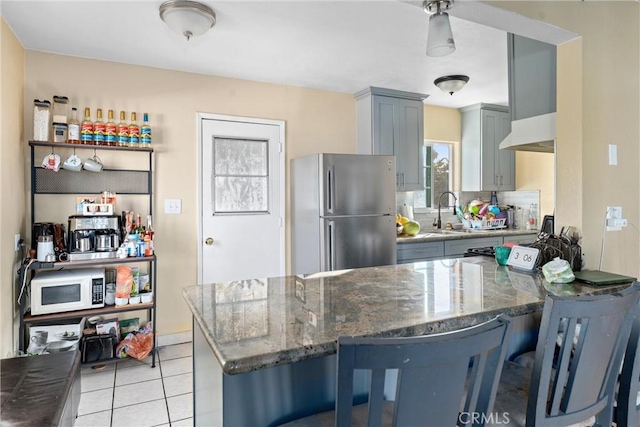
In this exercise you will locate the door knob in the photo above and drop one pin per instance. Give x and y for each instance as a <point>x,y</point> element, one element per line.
<point>209,241</point>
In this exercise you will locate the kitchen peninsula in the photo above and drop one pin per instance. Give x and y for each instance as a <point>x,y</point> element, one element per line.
<point>264,349</point>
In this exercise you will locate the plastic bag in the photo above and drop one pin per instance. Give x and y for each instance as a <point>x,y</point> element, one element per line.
<point>558,271</point>
<point>124,282</point>
<point>137,344</point>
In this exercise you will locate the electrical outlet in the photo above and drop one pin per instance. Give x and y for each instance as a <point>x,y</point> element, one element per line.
<point>614,220</point>
<point>173,206</point>
<point>16,245</point>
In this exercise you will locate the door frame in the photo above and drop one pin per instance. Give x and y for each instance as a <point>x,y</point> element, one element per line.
<point>200,117</point>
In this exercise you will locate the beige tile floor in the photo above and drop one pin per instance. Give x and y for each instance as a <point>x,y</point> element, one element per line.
<point>131,393</point>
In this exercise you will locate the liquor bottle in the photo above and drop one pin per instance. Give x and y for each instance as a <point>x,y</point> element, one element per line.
<point>148,238</point>
<point>74,127</point>
<point>123,131</point>
<point>145,132</point>
<point>110,134</point>
<point>86,128</point>
<point>134,132</point>
<point>99,129</point>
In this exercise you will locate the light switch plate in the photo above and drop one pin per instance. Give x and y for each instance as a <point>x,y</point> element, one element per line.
<point>173,206</point>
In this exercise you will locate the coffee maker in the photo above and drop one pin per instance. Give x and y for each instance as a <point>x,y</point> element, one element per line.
<point>94,237</point>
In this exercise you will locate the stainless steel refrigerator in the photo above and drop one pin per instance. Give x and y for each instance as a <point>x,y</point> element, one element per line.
<point>343,212</point>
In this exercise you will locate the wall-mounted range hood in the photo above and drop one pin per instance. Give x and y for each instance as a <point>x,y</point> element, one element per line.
<point>532,134</point>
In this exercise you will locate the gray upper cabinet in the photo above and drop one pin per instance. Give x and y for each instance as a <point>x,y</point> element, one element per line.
<point>532,77</point>
<point>484,166</point>
<point>391,122</point>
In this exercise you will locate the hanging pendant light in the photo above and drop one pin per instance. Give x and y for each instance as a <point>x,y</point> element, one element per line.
<point>188,18</point>
<point>440,39</point>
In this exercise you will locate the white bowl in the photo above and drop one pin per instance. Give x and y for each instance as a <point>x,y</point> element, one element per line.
<point>146,297</point>
<point>134,299</point>
<point>122,301</point>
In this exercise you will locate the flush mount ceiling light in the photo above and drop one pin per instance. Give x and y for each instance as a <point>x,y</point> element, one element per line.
<point>440,40</point>
<point>188,18</point>
<point>451,84</point>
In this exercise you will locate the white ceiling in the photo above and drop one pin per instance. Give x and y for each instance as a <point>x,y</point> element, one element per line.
<point>341,46</point>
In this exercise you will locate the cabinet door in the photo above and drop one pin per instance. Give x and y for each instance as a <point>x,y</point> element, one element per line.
<point>490,170</point>
<point>505,159</point>
<point>385,126</point>
<point>409,147</point>
<point>385,129</point>
<point>532,77</point>
<point>424,251</point>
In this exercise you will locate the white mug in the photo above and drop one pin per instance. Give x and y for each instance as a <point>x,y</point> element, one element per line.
<point>93,165</point>
<point>73,163</point>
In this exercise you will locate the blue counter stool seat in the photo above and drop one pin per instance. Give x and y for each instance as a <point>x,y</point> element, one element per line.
<point>628,405</point>
<point>432,372</point>
<point>573,383</point>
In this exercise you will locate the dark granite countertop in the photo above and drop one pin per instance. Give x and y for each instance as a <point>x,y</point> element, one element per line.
<point>439,235</point>
<point>254,324</point>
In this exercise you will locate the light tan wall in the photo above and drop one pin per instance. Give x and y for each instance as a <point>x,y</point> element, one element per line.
<point>444,125</point>
<point>535,171</point>
<point>316,121</point>
<point>12,208</point>
<point>610,104</point>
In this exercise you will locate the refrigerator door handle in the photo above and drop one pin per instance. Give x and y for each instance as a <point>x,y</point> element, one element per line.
<point>331,171</point>
<point>330,246</point>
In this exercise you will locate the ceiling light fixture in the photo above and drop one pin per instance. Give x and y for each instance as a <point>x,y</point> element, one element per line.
<point>440,40</point>
<point>451,84</point>
<point>188,18</point>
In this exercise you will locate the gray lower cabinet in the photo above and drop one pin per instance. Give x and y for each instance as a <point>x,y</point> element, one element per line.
<point>457,248</point>
<point>524,238</point>
<point>424,251</point>
<point>428,251</point>
<point>391,123</point>
<point>484,166</point>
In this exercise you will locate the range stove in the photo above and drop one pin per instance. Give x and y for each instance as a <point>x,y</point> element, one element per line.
<point>486,251</point>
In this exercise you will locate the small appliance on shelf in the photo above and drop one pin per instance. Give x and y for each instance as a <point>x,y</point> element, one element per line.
<point>94,237</point>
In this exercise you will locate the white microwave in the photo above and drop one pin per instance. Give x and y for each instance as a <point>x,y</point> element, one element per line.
<point>67,290</point>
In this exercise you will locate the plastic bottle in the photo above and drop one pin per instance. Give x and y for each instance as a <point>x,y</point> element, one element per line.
<point>110,130</point>
<point>99,129</point>
<point>145,132</point>
<point>533,217</point>
<point>86,128</point>
<point>134,132</point>
<point>123,131</point>
<point>494,198</point>
<point>74,127</point>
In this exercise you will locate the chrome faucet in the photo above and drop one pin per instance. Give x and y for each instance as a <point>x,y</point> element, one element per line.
<point>438,222</point>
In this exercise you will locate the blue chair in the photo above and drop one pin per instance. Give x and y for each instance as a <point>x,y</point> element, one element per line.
<point>628,405</point>
<point>574,381</point>
<point>434,372</point>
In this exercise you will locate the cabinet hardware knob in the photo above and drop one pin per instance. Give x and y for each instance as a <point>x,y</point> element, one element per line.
<point>209,241</point>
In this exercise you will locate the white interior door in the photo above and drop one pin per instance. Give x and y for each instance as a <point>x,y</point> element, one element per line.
<point>242,199</point>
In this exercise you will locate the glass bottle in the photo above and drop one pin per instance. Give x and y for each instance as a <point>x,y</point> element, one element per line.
<point>99,129</point>
<point>86,128</point>
<point>74,127</point>
<point>110,130</point>
<point>134,132</point>
<point>123,131</point>
<point>145,132</point>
